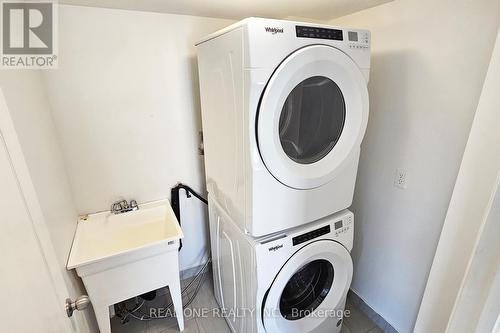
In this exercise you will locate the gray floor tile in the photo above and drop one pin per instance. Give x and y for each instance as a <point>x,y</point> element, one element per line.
<point>212,325</point>
<point>380,323</point>
<point>206,298</point>
<point>193,322</point>
<point>160,325</point>
<point>357,321</point>
<point>133,326</point>
<point>189,327</point>
<point>206,301</point>
<point>345,329</point>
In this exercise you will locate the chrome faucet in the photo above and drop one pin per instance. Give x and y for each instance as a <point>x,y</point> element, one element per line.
<point>122,206</point>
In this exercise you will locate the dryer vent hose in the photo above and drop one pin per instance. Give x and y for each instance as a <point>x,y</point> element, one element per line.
<point>176,206</point>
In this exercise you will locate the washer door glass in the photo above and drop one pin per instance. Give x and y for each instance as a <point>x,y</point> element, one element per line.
<point>309,291</point>
<point>312,119</point>
<point>306,289</point>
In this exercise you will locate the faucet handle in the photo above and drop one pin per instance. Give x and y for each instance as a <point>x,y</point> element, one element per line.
<point>133,204</point>
<point>124,204</point>
<point>116,206</point>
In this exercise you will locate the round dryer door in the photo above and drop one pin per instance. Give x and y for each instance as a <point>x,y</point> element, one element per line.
<point>312,116</point>
<point>312,284</point>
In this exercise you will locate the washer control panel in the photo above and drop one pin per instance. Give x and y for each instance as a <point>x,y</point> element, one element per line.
<point>311,235</point>
<point>342,226</point>
<point>358,39</point>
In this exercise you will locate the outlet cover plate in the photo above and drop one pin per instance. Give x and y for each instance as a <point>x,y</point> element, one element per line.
<point>400,178</point>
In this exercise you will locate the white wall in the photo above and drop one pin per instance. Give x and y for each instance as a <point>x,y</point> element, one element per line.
<point>468,253</point>
<point>428,66</point>
<point>126,106</point>
<point>25,97</point>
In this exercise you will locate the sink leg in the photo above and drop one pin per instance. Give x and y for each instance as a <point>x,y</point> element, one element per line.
<point>175,292</point>
<point>102,316</point>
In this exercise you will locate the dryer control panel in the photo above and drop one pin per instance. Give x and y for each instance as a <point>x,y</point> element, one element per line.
<point>358,39</point>
<point>321,33</point>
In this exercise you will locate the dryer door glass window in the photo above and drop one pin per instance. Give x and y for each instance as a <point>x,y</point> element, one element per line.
<point>306,289</point>
<point>312,119</point>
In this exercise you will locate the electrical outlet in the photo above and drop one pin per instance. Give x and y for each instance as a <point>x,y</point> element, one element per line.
<point>400,178</point>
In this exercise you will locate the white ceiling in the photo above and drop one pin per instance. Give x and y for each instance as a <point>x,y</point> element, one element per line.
<point>314,10</point>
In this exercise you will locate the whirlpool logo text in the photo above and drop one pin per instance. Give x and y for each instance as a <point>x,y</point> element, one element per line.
<point>275,248</point>
<point>274,30</point>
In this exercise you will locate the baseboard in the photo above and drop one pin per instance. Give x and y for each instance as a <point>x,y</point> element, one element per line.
<point>370,313</point>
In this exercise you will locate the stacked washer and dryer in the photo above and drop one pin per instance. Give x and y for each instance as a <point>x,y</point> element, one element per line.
<point>284,110</point>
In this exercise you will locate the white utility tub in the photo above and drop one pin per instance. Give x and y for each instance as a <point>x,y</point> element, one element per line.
<point>124,255</point>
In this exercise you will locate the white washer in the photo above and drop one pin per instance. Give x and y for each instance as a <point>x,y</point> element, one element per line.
<point>284,110</point>
<point>294,281</point>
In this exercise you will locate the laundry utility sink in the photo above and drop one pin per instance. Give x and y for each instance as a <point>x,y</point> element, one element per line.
<point>102,236</point>
<point>119,256</point>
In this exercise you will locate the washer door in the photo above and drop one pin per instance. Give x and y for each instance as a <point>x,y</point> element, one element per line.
<point>312,115</point>
<point>311,284</point>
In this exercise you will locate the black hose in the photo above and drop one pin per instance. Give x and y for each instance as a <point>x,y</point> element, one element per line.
<point>176,206</point>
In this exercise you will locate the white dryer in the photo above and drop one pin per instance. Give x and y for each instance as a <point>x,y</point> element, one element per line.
<point>284,110</point>
<point>290,282</point>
